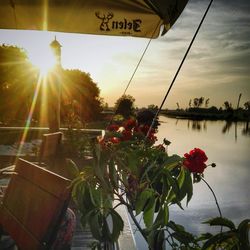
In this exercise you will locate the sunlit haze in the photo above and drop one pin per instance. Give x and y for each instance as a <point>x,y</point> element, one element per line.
<point>217,67</point>
<point>43,59</point>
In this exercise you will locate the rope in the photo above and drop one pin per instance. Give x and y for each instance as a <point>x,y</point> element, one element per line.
<point>178,70</point>
<point>137,66</point>
<point>141,59</point>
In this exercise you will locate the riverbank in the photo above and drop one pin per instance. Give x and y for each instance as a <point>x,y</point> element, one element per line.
<point>208,114</point>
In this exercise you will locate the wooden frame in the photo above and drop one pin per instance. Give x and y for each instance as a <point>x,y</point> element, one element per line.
<point>49,147</point>
<point>33,205</point>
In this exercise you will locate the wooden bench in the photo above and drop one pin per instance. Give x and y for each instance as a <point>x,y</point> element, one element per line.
<point>33,205</point>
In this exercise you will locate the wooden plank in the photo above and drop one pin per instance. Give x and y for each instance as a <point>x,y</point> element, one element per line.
<point>45,179</point>
<point>49,146</point>
<point>33,205</point>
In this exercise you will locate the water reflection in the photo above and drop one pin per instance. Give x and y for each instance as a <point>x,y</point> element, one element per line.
<point>227,127</point>
<point>201,125</point>
<point>246,130</point>
<point>197,125</point>
<point>225,143</point>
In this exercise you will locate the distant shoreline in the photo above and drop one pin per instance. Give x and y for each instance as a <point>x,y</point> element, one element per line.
<point>208,114</point>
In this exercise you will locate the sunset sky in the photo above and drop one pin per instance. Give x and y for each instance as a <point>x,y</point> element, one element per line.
<point>218,65</point>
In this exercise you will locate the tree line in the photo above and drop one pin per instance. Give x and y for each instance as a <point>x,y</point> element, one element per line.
<point>199,102</point>
<point>80,95</point>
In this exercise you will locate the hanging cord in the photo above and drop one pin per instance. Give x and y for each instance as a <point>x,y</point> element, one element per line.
<point>137,66</point>
<point>178,70</point>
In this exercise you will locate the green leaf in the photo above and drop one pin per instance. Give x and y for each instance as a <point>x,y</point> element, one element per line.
<point>205,236</point>
<point>113,173</point>
<point>156,240</point>
<point>243,230</point>
<point>218,239</point>
<point>175,227</point>
<point>172,161</point>
<point>220,221</point>
<point>99,171</point>
<point>95,226</point>
<point>189,186</point>
<point>148,214</point>
<point>159,221</point>
<point>72,169</point>
<point>162,217</point>
<point>85,218</point>
<point>181,183</point>
<point>117,225</point>
<point>174,192</point>
<point>78,192</point>
<point>95,196</point>
<point>142,199</point>
<point>133,161</point>
<point>105,229</point>
<point>183,237</point>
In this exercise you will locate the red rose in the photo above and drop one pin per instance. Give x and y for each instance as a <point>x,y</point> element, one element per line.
<point>195,160</point>
<point>126,135</point>
<point>144,129</point>
<point>129,124</point>
<point>113,127</point>
<point>114,140</point>
<point>152,137</point>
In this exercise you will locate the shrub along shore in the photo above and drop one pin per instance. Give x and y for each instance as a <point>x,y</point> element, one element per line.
<point>209,114</point>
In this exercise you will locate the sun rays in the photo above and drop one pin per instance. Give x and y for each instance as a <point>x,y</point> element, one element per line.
<point>44,61</point>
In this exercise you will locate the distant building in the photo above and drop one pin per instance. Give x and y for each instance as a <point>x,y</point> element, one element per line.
<point>56,48</point>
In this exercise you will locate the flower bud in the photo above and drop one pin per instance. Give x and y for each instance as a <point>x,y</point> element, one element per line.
<point>213,165</point>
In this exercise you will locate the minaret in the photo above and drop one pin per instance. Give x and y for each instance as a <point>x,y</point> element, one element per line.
<point>56,48</point>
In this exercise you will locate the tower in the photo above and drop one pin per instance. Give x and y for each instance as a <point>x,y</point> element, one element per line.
<point>56,49</point>
<point>54,88</point>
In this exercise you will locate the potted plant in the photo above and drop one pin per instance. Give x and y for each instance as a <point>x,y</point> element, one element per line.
<point>130,169</point>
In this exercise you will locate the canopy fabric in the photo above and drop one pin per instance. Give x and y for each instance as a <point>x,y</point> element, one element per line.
<point>139,18</point>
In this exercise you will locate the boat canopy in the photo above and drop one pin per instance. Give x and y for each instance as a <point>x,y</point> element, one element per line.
<point>138,18</point>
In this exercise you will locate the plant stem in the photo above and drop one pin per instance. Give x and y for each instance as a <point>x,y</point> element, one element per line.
<point>216,201</point>
<point>171,237</point>
<point>137,224</point>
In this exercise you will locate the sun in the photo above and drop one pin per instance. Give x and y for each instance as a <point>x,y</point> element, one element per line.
<point>43,59</point>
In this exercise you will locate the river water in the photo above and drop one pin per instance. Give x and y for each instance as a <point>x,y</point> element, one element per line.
<point>226,144</point>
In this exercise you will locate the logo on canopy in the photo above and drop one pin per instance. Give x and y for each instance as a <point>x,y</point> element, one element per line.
<point>125,26</point>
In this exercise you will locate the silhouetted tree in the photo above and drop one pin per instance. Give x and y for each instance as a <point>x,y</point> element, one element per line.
<point>190,103</point>
<point>146,117</point>
<point>18,79</point>
<point>81,93</point>
<point>228,106</point>
<point>200,102</point>
<point>206,102</point>
<point>152,107</point>
<point>125,106</point>
<point>196,102</point>
<point>247,105</point>
<point>238,103</point>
